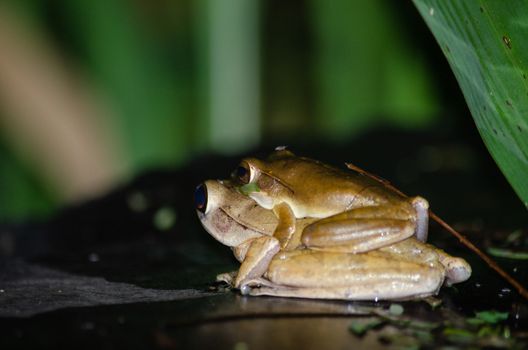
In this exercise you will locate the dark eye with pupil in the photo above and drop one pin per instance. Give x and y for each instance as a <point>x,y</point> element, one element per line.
<point>200,198</point>
<point>243,174</point>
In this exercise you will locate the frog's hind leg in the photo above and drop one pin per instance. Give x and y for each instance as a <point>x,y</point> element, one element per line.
<point>361,229</point>
<point>397,290</point>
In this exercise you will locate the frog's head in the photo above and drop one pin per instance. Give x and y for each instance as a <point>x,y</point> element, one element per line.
<point>229,216</point>
<point>266,181</point>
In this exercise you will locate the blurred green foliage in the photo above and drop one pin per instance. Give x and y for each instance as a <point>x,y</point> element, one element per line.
<point>367,67</point>
<point>329,69</point>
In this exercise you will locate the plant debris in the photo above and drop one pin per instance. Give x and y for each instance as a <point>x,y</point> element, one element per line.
<point>507,253</point>
<point>485,329</point>
<point>361,326</point>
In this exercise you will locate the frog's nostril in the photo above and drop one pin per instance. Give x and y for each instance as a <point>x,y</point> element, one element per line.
<point>200,198</point>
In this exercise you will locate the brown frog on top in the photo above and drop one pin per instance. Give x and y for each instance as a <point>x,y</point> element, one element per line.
<point>356,212</point>
<point>407,269</point>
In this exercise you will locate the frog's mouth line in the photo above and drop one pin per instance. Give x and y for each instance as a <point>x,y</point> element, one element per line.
<point>243,224</point>
<point>220,226</point>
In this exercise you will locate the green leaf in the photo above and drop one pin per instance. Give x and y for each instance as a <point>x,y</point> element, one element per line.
<point>485,44</point>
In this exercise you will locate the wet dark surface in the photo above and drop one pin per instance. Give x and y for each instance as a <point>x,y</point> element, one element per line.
<point>135,269</point>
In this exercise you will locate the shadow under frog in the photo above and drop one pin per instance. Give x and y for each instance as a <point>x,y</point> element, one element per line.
<point>405,270</point>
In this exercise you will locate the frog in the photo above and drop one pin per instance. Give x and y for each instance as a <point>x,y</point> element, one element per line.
<point>408,269</point>
<point>356,213</point>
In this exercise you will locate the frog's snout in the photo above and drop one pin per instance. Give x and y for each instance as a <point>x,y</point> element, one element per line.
<point>200,197</point>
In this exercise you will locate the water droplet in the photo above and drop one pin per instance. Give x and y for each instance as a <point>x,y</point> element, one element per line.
<point>431,11</point>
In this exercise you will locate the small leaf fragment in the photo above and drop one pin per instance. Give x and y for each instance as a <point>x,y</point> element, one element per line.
<point>433,302</point>
<point>492,316</point>
<point>249,188</point>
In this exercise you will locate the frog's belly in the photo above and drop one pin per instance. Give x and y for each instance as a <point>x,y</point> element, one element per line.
<point>353,276</point>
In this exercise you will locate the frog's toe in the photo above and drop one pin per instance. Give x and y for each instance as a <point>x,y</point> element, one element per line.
<point>248,286</point>
<point>245,289</point>
<point>457,270</point>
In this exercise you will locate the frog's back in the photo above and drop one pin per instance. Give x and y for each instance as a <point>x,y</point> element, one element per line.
<point>320,188</point>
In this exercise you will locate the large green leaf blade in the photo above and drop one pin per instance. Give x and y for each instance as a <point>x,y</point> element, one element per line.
<point>486,44</point>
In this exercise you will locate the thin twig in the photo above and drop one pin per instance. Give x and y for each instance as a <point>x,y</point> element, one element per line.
<point>491,263</point>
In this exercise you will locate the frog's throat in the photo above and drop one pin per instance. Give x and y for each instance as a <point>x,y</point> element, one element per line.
<point>262,199</point>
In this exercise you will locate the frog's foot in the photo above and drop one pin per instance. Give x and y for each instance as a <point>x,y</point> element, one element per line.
<point>227,277</point>
<point>457,269</point>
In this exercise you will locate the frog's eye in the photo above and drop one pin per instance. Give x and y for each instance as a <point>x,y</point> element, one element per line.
<point>200,198</point>
<point>243,173</point>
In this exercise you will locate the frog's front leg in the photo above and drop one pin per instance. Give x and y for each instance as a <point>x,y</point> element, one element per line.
<point>366,228</point>
<point>257,259</point>
<point>286,225</point>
